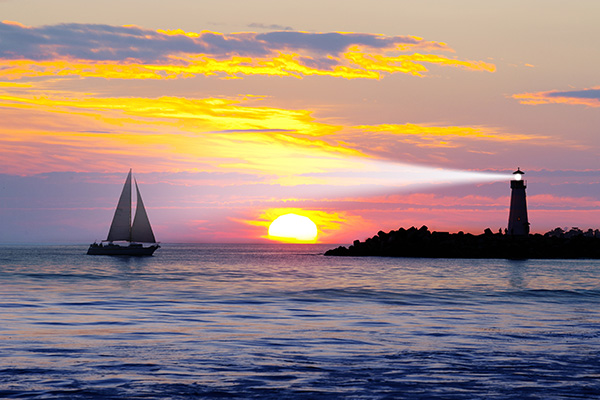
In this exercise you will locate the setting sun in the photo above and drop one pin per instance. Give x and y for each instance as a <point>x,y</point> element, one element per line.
<point>293,228</point>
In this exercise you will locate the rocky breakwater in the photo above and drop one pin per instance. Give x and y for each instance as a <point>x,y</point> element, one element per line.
<point>414,242</point>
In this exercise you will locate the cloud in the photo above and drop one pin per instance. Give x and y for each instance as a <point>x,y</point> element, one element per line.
<point>337,43</point>
<point>432,134</point>
<point>85,42</point>
<point>587,97</point>
<point>271,27</point>
<point>439,145</point>
<point>109,43</point>
<point>44,132</point>
<point>169,133</point>
<point>131,52</point>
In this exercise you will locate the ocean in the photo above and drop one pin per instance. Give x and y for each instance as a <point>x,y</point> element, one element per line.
<point>280,321</point>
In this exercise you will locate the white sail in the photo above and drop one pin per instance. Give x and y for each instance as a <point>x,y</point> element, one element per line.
<point>141,231</point>
<point>120,229</point>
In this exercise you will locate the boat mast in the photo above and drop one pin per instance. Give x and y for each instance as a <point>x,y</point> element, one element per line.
<point>130,189</point>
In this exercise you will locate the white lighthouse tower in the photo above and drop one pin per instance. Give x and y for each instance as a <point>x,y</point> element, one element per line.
<point>518,223</point>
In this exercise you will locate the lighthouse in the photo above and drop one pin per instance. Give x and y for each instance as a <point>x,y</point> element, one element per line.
<point>518,223</point>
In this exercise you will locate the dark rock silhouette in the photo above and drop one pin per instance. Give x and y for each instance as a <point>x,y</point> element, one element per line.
<point>414,242</point>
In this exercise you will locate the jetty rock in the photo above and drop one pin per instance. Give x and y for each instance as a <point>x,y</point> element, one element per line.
<point>413,242</point>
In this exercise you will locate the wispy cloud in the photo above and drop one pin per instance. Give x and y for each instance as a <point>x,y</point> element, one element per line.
<point>292,146</point>
<point>162,134</point>
<point>131,52</point>
<point>270,27</point>
<point>440,136</point>
<point>447,145</point>
<point>587,97</point>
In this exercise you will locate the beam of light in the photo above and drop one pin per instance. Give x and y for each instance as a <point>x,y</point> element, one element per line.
<point>377,175</point>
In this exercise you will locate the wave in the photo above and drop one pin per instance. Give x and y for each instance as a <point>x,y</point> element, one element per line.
<point>439,296</point>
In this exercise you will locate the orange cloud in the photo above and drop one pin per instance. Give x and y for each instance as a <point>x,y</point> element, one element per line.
<point>586,97</point>
<point>418,142</point>
<point>412,64</point>
<point>174,133</point>
<point>428,136</point>
<point>359,66</point>
<point>553,202</point>
<point>164,133</point>
<point>446,145</point>
<point>15,85</point>
<point>14,23</point>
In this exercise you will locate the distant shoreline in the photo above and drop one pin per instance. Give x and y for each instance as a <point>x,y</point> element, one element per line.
<point>422,243</point>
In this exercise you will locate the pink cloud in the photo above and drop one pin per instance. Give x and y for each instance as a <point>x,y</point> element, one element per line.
<point>587,97</point>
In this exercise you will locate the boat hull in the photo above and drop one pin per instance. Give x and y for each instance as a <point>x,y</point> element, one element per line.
<point>119,250</point>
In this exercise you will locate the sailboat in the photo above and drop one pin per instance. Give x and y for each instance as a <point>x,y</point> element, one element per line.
<point>122,230</point>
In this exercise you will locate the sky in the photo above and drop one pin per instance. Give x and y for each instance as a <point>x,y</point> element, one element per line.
<point>362,116</point>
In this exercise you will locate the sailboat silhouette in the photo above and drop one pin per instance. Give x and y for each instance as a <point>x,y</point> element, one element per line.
<point>121,228</point>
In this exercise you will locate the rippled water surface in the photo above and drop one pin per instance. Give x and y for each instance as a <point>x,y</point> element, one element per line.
<point>283,321</point>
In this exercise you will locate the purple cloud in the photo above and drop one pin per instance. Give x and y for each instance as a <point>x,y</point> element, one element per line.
<point>113,43</point>
<point>90,42</point>
<point>333,43</point>
<point>271,27</point>
<point>577,94</point>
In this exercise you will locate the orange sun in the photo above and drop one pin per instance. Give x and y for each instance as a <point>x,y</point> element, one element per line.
<point>293,228</point>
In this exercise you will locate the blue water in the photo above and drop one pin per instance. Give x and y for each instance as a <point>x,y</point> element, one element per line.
<point>283,321</point>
